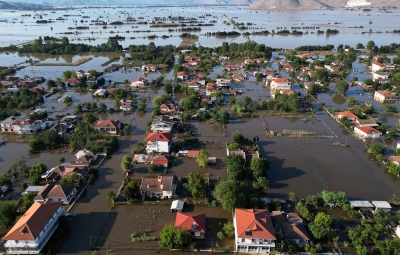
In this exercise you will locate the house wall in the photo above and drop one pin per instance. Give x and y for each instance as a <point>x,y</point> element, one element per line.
<point>35,246</point>
<point>362,134</point>
<point>158,147</point>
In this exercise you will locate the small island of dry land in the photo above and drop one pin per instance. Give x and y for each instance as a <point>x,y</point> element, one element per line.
<point>76,63</point>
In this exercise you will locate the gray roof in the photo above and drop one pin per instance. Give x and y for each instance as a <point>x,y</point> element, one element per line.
<point>360,204</point>
<point>381,204</point>
<point>34,189</point>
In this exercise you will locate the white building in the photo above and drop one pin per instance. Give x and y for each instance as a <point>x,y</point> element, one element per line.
<point>25,126</point>
<point>381,206</point>
<point>376,67</point>
<point>398,231</point>
<point>281,84</point>
<point>383,96</point>
<point>367,132</point>
<point>56,193</point>
<point>34,229</point>
<point>158,142</point>
<point>254,231</point>
<point>161,124</point>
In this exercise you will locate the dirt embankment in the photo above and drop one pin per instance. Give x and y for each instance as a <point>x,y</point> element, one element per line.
<point>76,63</point>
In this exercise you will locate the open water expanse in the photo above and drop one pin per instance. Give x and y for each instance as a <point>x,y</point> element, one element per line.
<point>350,23</point>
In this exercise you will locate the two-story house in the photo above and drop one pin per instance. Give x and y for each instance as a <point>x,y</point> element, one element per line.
<point>254,231</point>
<point>162,186</point>
<point>7,124</point>
<point>25,126</point>
<point>376,67</point>
<point>56,193</point>
<point>34,229</point>
<point>281,84</point>
<point>85,156</point>
<point>158,142</point>
<point>161,124</point>
<point>384,96</point>
<point>110,126</point>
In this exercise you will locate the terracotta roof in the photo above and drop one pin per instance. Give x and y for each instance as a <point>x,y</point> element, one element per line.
<point>347,114</point>
<point>254,223</point>
<point>161,137</point>
<point>293,231</point>
<point>107,123</point>
<point>192,222</point>
<point>182,74</point>
<point>33,221</point>
<point>193,153</point>
<point>139,79</point>
<point>287,91</point>
<point>369,130</point>
<point>159,159</point>
<point>386,93</point>
<point>278,80</point>
<point>237,76</point>
<point>378,64</point>
<point>394,159</point>
<point>111,90</point>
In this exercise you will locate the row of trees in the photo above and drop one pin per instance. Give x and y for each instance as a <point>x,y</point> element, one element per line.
<point>18,101</point>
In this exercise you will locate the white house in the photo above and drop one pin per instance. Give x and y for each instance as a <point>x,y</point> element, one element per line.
<point>100,92</point>
<point>109,126</point>
<point>149,67</point>
<point>367,132</point>
<point>348,115</point>
<point>139,82</point>
<point>254,231</point>
<point>25,126</point>
<point>7,124</point>
<point>182,75</point>
<point>85,156</point>
<point>158,142</point>
<point>223,83</point>
<point>162,186</point>
<point>161,124</point>
<point>383,96</point>
<point>56,193</point>
<point>376,67</point>
<point>280,84</point>
<point>34,229</point>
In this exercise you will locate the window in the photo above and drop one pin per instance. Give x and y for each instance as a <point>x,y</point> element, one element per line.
<point>26,242</point>
<point>242,240</point>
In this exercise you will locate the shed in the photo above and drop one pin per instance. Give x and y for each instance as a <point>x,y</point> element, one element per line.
<point>361,204</point>
<point>33,189</point>
<point>381,206</point>
<point>177,206</point>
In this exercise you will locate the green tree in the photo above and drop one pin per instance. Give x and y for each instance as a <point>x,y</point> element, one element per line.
<point>196,184</point>
<point>126,163</point>
<point>8,214</point>
<point>320,226</point>
<point>313,89</point>
<point>110,195</point>
<point>370,45</point>
<point>259,167</point>
<point>231,195</point>
<point>78,108</point>
<point>202,159</point>
<point>89,118</point>
<point>175,238</point>
<point>341,87</point>
<point>102,107</point>
<point>127,129</point>
<point>27,199</point>
<point>237,138</point>
<point>131,190</point>
<point>376,149</point>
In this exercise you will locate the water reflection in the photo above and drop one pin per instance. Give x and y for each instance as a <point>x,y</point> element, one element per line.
<point>338,99</point>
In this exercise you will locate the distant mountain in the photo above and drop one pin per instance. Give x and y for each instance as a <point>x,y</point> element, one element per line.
<point>319,4</point>
<point>142,2</point>
<point>19,5</point>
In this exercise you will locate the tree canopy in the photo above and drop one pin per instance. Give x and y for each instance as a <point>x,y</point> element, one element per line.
<point>175,238</point>
<point>196,184</point>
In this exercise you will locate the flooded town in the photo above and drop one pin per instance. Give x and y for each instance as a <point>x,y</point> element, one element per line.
<point>167,129</point>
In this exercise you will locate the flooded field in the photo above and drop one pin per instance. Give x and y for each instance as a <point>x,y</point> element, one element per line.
<point>351,24</point>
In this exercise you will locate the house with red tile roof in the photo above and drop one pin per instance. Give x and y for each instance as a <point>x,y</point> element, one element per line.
<point>348,115</point>
<point>139,82</point>
<point>167,108</point>
<point>237,77</point>
<point>73,82</point>
<point>67,169</point>
<point>149,67</point>
<point>254,231</point>
<point>376,66</point>
<point>109,126</point>
<point>183,76</point>
<point>194,223</point>
<point>158,142</point>
<point>232,67</point>
<point>383,96</point>
<point>367,132</point>
<point>34,229</point>
<point>281,84</point>
<point>25,126</point>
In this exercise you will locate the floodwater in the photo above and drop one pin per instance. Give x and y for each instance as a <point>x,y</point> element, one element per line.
<point>19,29</point>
